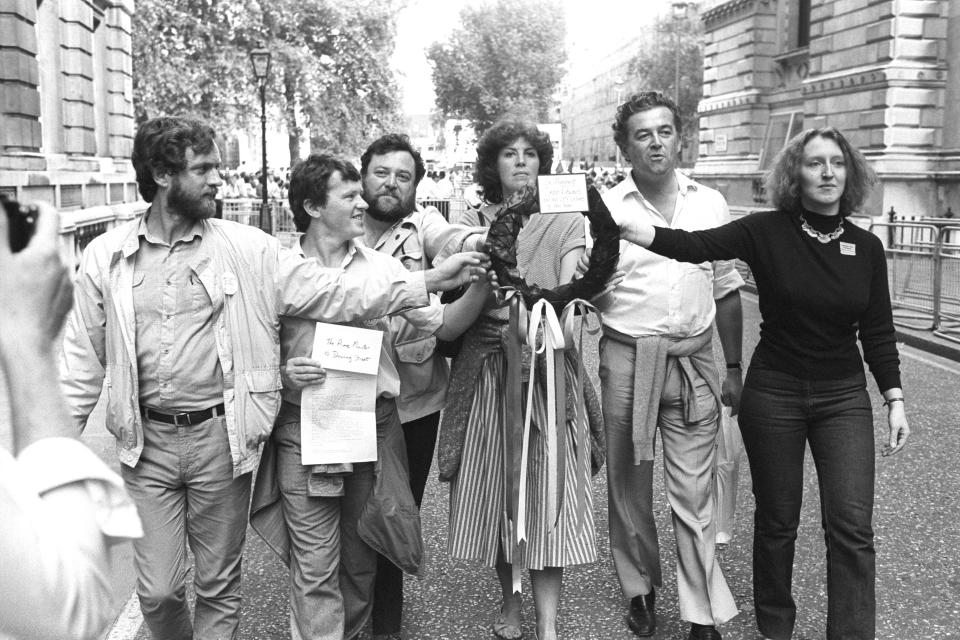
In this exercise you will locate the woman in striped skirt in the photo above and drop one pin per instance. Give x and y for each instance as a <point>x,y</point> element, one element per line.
<point>472,448</point>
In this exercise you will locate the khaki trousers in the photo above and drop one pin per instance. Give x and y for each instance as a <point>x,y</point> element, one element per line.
<point>689,452</point>
<point>184,489</point>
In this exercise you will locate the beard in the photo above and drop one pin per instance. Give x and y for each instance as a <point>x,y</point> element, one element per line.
<point>398,211</point>
<point>190,206</point>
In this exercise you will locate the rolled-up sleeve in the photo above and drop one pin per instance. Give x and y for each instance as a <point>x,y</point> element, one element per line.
<point>726,278</point>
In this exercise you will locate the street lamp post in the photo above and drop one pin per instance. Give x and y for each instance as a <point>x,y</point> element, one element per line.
<point>679,13</point>
<point>618,83</point>
<point>260,59</point>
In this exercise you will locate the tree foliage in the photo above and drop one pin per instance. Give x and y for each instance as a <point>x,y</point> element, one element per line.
<point>654,67</point>
<point>507,57</point>
<point>329,67</point>
<point>190,58</point>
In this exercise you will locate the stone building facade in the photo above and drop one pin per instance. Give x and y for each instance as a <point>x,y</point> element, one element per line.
<point>589,104</point>
<point>885,72</point>
<point>66,106</point>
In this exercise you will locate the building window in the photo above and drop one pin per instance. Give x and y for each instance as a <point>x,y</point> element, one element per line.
<point>803,24</point>
<point>798,26</point>
<point>780,128</point>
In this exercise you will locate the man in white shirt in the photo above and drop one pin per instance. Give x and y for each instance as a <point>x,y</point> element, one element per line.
<point>657,372</point>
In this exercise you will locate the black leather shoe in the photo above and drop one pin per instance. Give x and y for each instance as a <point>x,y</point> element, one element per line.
<point>703,632</point>
<point>642,618</point>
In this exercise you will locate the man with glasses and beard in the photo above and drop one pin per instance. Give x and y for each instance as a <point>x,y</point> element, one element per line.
<point>391,169</point>
<point>176,316</point>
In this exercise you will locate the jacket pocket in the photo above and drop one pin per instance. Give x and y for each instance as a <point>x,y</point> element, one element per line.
<point>122,406</point>
<point>257,404</point>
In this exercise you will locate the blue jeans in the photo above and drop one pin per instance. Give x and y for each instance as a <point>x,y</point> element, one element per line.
<point>779,415</point>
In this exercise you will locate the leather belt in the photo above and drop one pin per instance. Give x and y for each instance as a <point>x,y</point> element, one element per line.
<point>183,418</point>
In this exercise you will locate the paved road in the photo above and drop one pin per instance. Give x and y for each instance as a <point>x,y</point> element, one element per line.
<point>917,512</point>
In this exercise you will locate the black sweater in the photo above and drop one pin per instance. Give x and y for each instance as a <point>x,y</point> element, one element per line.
<point>814,298</point>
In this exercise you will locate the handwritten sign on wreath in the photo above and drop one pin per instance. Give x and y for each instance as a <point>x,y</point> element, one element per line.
<point>562,192</point>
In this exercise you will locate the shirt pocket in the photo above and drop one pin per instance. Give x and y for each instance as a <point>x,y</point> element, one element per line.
<point>415,364</point>
<point>200,303</point>
<point>697,283</point>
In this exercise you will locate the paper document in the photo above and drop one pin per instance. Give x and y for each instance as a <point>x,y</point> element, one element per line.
<point>338,419</point>
<point>347,348</point>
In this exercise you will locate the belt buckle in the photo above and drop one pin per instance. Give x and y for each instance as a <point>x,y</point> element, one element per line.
<point>176,420</point>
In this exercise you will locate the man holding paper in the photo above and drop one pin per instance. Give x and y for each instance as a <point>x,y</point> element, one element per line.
<point>176,317</point>
<point>339,414</point>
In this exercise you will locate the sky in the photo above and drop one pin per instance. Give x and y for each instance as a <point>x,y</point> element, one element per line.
<point>599,26</point>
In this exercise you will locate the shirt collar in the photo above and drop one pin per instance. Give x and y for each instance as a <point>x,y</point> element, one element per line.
<point>352,251</point>
<point>143,231</point>
<point>684,184</point>
<point>410,221</point>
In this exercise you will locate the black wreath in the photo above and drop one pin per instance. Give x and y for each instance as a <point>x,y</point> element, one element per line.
<point>502,246</point>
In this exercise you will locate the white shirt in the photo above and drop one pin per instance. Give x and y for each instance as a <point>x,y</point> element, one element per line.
<point>660,296</point>
<point>54,578</point>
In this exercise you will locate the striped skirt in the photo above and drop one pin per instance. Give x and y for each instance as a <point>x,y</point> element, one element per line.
<point>478,524</point>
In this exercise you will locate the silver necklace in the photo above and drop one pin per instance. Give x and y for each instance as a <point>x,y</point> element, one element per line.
<point>822,237</point>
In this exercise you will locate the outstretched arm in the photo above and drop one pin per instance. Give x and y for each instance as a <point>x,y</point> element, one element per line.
<point>459,269</point>
<point>461,313</point>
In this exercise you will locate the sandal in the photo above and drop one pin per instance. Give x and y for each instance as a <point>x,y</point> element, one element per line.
<point>506,630</point>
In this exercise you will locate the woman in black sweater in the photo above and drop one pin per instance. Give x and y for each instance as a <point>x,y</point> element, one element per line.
<point>822,283</point>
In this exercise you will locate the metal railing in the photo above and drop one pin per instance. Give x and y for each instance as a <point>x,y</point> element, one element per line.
<point>912,271</point>
<point>923,270</point>
<point>947,303</point>
<point>78,228</point>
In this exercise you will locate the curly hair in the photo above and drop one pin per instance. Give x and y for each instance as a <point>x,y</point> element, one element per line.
<point>160,147</point>
<point>389,143</point>
<point>494,140</point>
<point>783,180</point>
<point>642,102</point>
<point>310,179</point>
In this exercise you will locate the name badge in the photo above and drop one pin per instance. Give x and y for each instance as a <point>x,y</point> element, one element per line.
<point>229,284</point>
<point>848,249</point>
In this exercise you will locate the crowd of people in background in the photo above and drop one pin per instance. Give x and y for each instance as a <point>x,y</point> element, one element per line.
<point>438,184</point>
